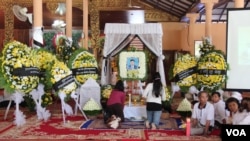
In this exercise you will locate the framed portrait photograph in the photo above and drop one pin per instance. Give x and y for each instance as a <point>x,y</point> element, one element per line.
<point>132,65</point>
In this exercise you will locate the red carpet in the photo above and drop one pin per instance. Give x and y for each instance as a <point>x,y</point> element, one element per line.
<point>55,129</point>
<point>178,135</point>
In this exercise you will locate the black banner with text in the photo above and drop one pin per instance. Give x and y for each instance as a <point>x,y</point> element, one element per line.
<point>31,71</point>
<point>82,71</point>
<point>63,82</point>
<point>211,72</point>
<point>183,74</point>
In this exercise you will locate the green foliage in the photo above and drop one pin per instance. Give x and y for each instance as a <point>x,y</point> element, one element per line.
<point>30,102</point>
<point>92,112</point>
<point>48,39</point>
<point>170,72</point>
<point>185,114</point>
<point>73,56</point>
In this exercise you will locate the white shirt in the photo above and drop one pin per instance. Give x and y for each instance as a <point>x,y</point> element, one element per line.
<point>220,112</point>
<point>147,93</point>
<point>204,114</point>
<point>246,120</point>
<point>238,117</point>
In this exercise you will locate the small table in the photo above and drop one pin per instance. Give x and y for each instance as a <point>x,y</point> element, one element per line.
<point>135,112</point>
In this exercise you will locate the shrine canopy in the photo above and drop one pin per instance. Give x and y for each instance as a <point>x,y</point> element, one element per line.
<point>118,35</point>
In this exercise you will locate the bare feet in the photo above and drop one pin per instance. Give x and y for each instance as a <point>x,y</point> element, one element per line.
<point>153,126</point>
<point>147,124</point>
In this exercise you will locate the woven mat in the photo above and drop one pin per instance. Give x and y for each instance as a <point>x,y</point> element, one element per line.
<point>170,123</point>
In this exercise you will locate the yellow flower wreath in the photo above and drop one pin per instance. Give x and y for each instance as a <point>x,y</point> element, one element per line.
<point>184,70</point>
<point>212,70</point>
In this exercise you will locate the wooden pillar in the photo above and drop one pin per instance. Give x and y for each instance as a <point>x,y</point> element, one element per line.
<point>38,23</point>
<point>192,20</point>
<point>239,3</point>
<point>209,7</point>
<point>37,11</point>
<point>69,19</point>
<point>85,23</point>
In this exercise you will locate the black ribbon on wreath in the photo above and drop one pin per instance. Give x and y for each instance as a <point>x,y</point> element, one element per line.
<point>26,71</point>
<point>84,70</point>
<point>184,74</point>
<point>211,72</point>
<point>63,82</point>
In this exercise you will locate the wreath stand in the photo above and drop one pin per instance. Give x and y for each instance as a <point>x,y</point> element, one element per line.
<point>77,105</point>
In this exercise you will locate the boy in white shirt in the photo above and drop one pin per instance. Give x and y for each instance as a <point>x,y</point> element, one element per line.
<point>220,112</point>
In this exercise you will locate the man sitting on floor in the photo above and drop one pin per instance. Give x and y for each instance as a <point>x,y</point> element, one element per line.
<point>202,116</point>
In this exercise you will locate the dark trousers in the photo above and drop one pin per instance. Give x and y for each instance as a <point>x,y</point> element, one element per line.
<point>217,124</point>
<point>116,109</point>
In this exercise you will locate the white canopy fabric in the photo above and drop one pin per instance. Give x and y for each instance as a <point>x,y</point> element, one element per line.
<point>116,34</point>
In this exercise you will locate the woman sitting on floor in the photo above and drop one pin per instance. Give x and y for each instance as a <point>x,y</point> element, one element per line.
<point>236,113</point>
<point>116,101</point>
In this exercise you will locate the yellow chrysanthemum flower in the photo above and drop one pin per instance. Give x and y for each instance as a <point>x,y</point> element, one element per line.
<point>60,71</point>
<point>212,70</point>
<point>184,70</point>
<point>18,67</point>
<point>84,60</point>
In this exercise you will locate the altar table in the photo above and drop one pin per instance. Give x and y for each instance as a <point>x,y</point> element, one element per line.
<point>135,112</point>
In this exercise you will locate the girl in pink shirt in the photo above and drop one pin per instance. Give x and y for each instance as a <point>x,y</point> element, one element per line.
<point>116,101</point>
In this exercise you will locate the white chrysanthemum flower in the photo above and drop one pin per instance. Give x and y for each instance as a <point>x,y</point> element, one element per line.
<point>91,105</point>
<point>185,105</point>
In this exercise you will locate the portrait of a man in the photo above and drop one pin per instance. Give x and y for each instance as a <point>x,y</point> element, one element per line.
<point>132,63</point>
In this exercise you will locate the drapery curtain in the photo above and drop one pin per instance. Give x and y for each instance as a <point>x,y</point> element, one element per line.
<point>115,37</point>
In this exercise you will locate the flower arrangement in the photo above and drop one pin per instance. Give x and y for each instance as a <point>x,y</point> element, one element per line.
<point>184,71</point>
<point>212,70</point>
<point>139,72</point>
<point>17,68</point>
<point>47,99</point>
<point>167,103</point>
<point>206,46</point>
<point>168,93</point>
<point>84,66</point>
<point>63,48</point>
<point>62,78</point>
<point>92,108</point>
<point>184,109</point>
<point>59,42</point>
<point>43,60</point>
<point>133,73</point>
<point>106,91</point>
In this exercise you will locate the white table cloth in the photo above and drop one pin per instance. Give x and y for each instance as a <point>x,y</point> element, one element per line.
<point>135,112</point>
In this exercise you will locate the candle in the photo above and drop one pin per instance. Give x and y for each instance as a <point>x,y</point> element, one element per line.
<point>188,127</point>
<point>135,101</point>
<point>142,102</point>
<point>129,99</point>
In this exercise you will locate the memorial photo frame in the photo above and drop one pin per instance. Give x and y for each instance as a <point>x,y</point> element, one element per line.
<point>132,65</point>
